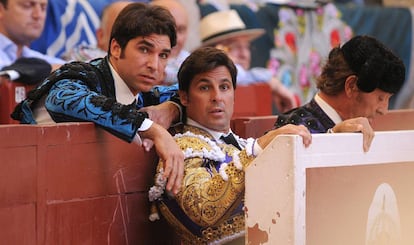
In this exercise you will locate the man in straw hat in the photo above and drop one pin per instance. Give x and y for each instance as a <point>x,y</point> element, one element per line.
<point>225,30</point>
<point>355,85</point>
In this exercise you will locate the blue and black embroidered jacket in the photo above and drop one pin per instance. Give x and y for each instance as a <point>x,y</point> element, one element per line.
<point>85,92</point>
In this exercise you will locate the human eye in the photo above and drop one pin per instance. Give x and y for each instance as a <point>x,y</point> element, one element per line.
<point>384,97</point>
<point>43,6</point>
<point>225,86</point>
<point>164,55</point>
<point>26,5</point>
<point>203,87</point>
<point>143,49</point>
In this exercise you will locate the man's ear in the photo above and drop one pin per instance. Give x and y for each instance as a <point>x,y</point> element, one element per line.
<point>183,97</point>
<point>115,49</point>
<point>351,85</point>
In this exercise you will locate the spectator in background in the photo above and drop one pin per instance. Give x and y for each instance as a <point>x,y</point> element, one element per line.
<point>111,91</point>
<point>21,22</point>
<point>178,54</point>
<point>109,14</point>
<point>209,207</point>
<point>355,85</point>
<point>87,52</point>
<point>111,11</point>
<point>225,30</point>
<point>194,14</point>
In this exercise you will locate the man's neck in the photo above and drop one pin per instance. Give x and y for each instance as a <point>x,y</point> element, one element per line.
<point>19,51</point>
<point>122,92</point>
<point>337,102</point>
<point>214,133</point>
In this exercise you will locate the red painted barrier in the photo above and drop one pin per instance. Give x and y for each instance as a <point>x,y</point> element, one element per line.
<point>257,126</point>
<point>253,100</point>
<point>75,184</point>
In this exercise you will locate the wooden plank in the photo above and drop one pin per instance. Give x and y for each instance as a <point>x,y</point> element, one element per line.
<point>332,192</point>
<point>253,100</point>
<point>394,120</point>
<point>253,127</point>
<point>74,183</point>
<point>18,224</point>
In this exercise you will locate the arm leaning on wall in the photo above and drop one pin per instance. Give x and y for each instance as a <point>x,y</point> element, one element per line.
<point>214,178</point>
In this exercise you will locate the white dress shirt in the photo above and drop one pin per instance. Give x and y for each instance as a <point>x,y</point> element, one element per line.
<point>332,114</point>
<point>216,135</point>
<point>8,53</point>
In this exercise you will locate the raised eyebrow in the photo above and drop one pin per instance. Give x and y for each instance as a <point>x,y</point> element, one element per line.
<point>203,80</point>
<point>168,51</point>
<point>225,80</point>
<point>37,2</point>
<point>146,43</point>
<point>151,45</point>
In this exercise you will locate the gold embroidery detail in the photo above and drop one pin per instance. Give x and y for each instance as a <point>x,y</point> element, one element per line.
<point>234,226</point>
<point>205,197</point>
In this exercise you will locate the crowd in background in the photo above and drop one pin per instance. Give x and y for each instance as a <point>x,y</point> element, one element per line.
<point>160,74</point>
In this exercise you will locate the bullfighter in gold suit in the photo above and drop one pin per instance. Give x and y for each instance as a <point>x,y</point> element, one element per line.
<point>209,207</point>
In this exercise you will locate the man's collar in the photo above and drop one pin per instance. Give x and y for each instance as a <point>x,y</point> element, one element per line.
<point>8,46</point>
<point>329,110</point>
<point>216,135</point>
<point>5,41</point>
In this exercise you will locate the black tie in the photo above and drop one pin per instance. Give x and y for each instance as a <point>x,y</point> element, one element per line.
<point>229,139</point>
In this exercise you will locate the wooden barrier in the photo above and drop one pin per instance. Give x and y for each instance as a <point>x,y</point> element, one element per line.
<point>74,184</point>
<point>332,192</point>
<point>257,126</point>
<point>394,120</point>
<point>253,100</point>
<point>71,183</point>
<point>252,126</point>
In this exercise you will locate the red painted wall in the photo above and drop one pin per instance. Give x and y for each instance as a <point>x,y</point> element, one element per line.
<point>75,184</point>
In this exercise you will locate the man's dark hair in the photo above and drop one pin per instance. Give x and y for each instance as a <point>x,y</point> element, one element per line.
<point>203,60</point>
<point>4,2</point>
<point>139,19</point>
<point>375,66</point>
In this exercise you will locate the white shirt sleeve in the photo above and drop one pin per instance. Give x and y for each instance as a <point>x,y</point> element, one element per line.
<point>12,74</point>
<point>146,124</point>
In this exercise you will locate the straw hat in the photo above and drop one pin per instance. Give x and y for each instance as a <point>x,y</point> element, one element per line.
<point>222,25</point>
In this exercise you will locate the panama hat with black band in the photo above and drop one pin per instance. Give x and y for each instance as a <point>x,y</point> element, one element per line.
<point>223,25</point>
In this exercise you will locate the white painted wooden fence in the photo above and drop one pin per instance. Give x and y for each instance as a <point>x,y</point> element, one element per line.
<point>332,192</point>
